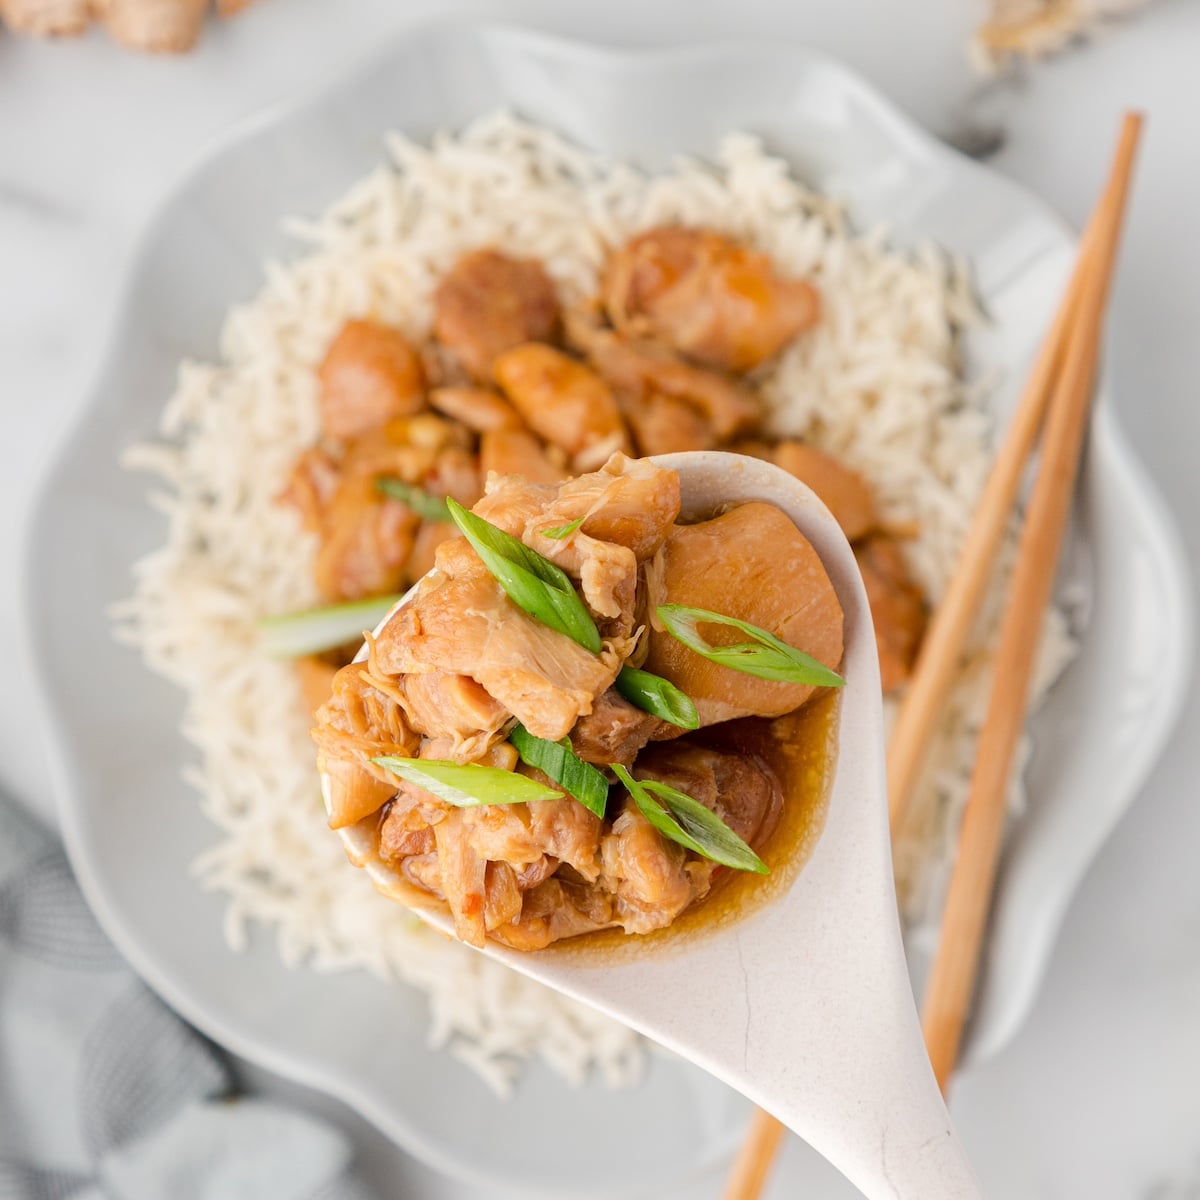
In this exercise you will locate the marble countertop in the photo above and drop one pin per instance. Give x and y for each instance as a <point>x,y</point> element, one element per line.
<point>1099,1094</point>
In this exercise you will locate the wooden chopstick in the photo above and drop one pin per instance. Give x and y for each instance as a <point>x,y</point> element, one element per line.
<point>952,978</point>
<point>1081,308</point>
<point>941,650</point>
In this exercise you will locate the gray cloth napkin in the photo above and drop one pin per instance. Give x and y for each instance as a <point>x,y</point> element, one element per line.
<point>104,1092</point>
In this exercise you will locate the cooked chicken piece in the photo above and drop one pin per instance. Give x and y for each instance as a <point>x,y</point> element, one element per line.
<point>641,370</point>
<point>370,375</point>
<point>353,792</point>
<point>397,841</point>
<point>667,425</point>
<point>843,491</point>
<point>568,832</point>
<point>311,487</point>
<point>367,537</point>
<point>501,896</point>
<point>615,730</point>
<point>455,472</point>
<point>515,503</point>
<point>897,608</point>
<point>562,401</point>
<point>555,909</point>
<point>524,835</point>
<point>516,452</point>
<point>488,303</point>
<point>315,677</point>
<point>454,712</point>
<point>356,723</point>
<point>627,508</point>
<point>463,876</point>
<point>755,565</point>
<point>707,296</point>
<point>362,720</point>
<point>628,502</point>
<point>412,449</point>
<point>741,790</point>
<point>504,833</point>
<point>648,875</point>
<point>362,714</point>
<point>424,871</point>
<point>406,827</point>
<point>477,408</point>
<point>461,622</point>
<point>607,574</point>
<point>366,540</point>
<point>424,552</point>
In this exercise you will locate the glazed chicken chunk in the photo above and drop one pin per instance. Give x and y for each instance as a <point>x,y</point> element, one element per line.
<point>489,302</point>
<point>563,401</point>
<point>751,563</point>
<point>707,296</point>
<point>370,374</point>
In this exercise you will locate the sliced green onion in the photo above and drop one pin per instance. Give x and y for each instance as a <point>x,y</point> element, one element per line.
<point>467,785</point>
<point>558,760</point>
<point>424,504</point>
<point>688,822</point>
<point>531,582</point>
<point>654,694</point>
<point>563,531</point>
<point>766,656</point>
<point>294,634</point>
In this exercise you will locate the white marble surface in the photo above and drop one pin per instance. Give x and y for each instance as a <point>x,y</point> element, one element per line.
<point>1100,1094</point>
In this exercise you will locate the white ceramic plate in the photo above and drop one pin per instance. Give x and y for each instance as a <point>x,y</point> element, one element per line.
<point>132,828</point>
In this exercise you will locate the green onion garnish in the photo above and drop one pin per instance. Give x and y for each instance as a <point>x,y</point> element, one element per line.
<point>689,823</point>
<point>659,696</point>
<point>467,785</point>
<point>531,582</point>
<point>294,634</point>
<point>423,503</point>
<point>563,531</point>
<point>766,656</point>
<point>558,760</point>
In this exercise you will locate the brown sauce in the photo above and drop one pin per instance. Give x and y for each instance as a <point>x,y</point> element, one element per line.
<point>801,748</point>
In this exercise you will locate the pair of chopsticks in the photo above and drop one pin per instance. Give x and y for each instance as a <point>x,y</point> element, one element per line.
<point>1056,403</point>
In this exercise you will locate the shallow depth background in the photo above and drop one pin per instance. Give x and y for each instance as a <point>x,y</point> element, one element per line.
<point>1097,1097</point>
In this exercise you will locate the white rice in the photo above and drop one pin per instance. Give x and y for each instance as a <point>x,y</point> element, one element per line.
<point>877,384</point>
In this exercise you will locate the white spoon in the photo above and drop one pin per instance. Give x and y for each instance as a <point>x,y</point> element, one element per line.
<point>803,1005</point>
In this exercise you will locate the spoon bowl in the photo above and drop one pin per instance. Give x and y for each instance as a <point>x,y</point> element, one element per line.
<point>803,1003</point>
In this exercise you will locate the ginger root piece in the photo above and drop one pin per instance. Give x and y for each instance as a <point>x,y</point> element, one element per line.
<point>161,26</point>
<point>1034,29</point>
<point>46,18</point>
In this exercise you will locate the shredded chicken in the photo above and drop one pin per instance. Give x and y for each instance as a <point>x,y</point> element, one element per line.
<point>528,419</point>
<point>615,731</point>
<point>458,662</point>
<point>460,621</point>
